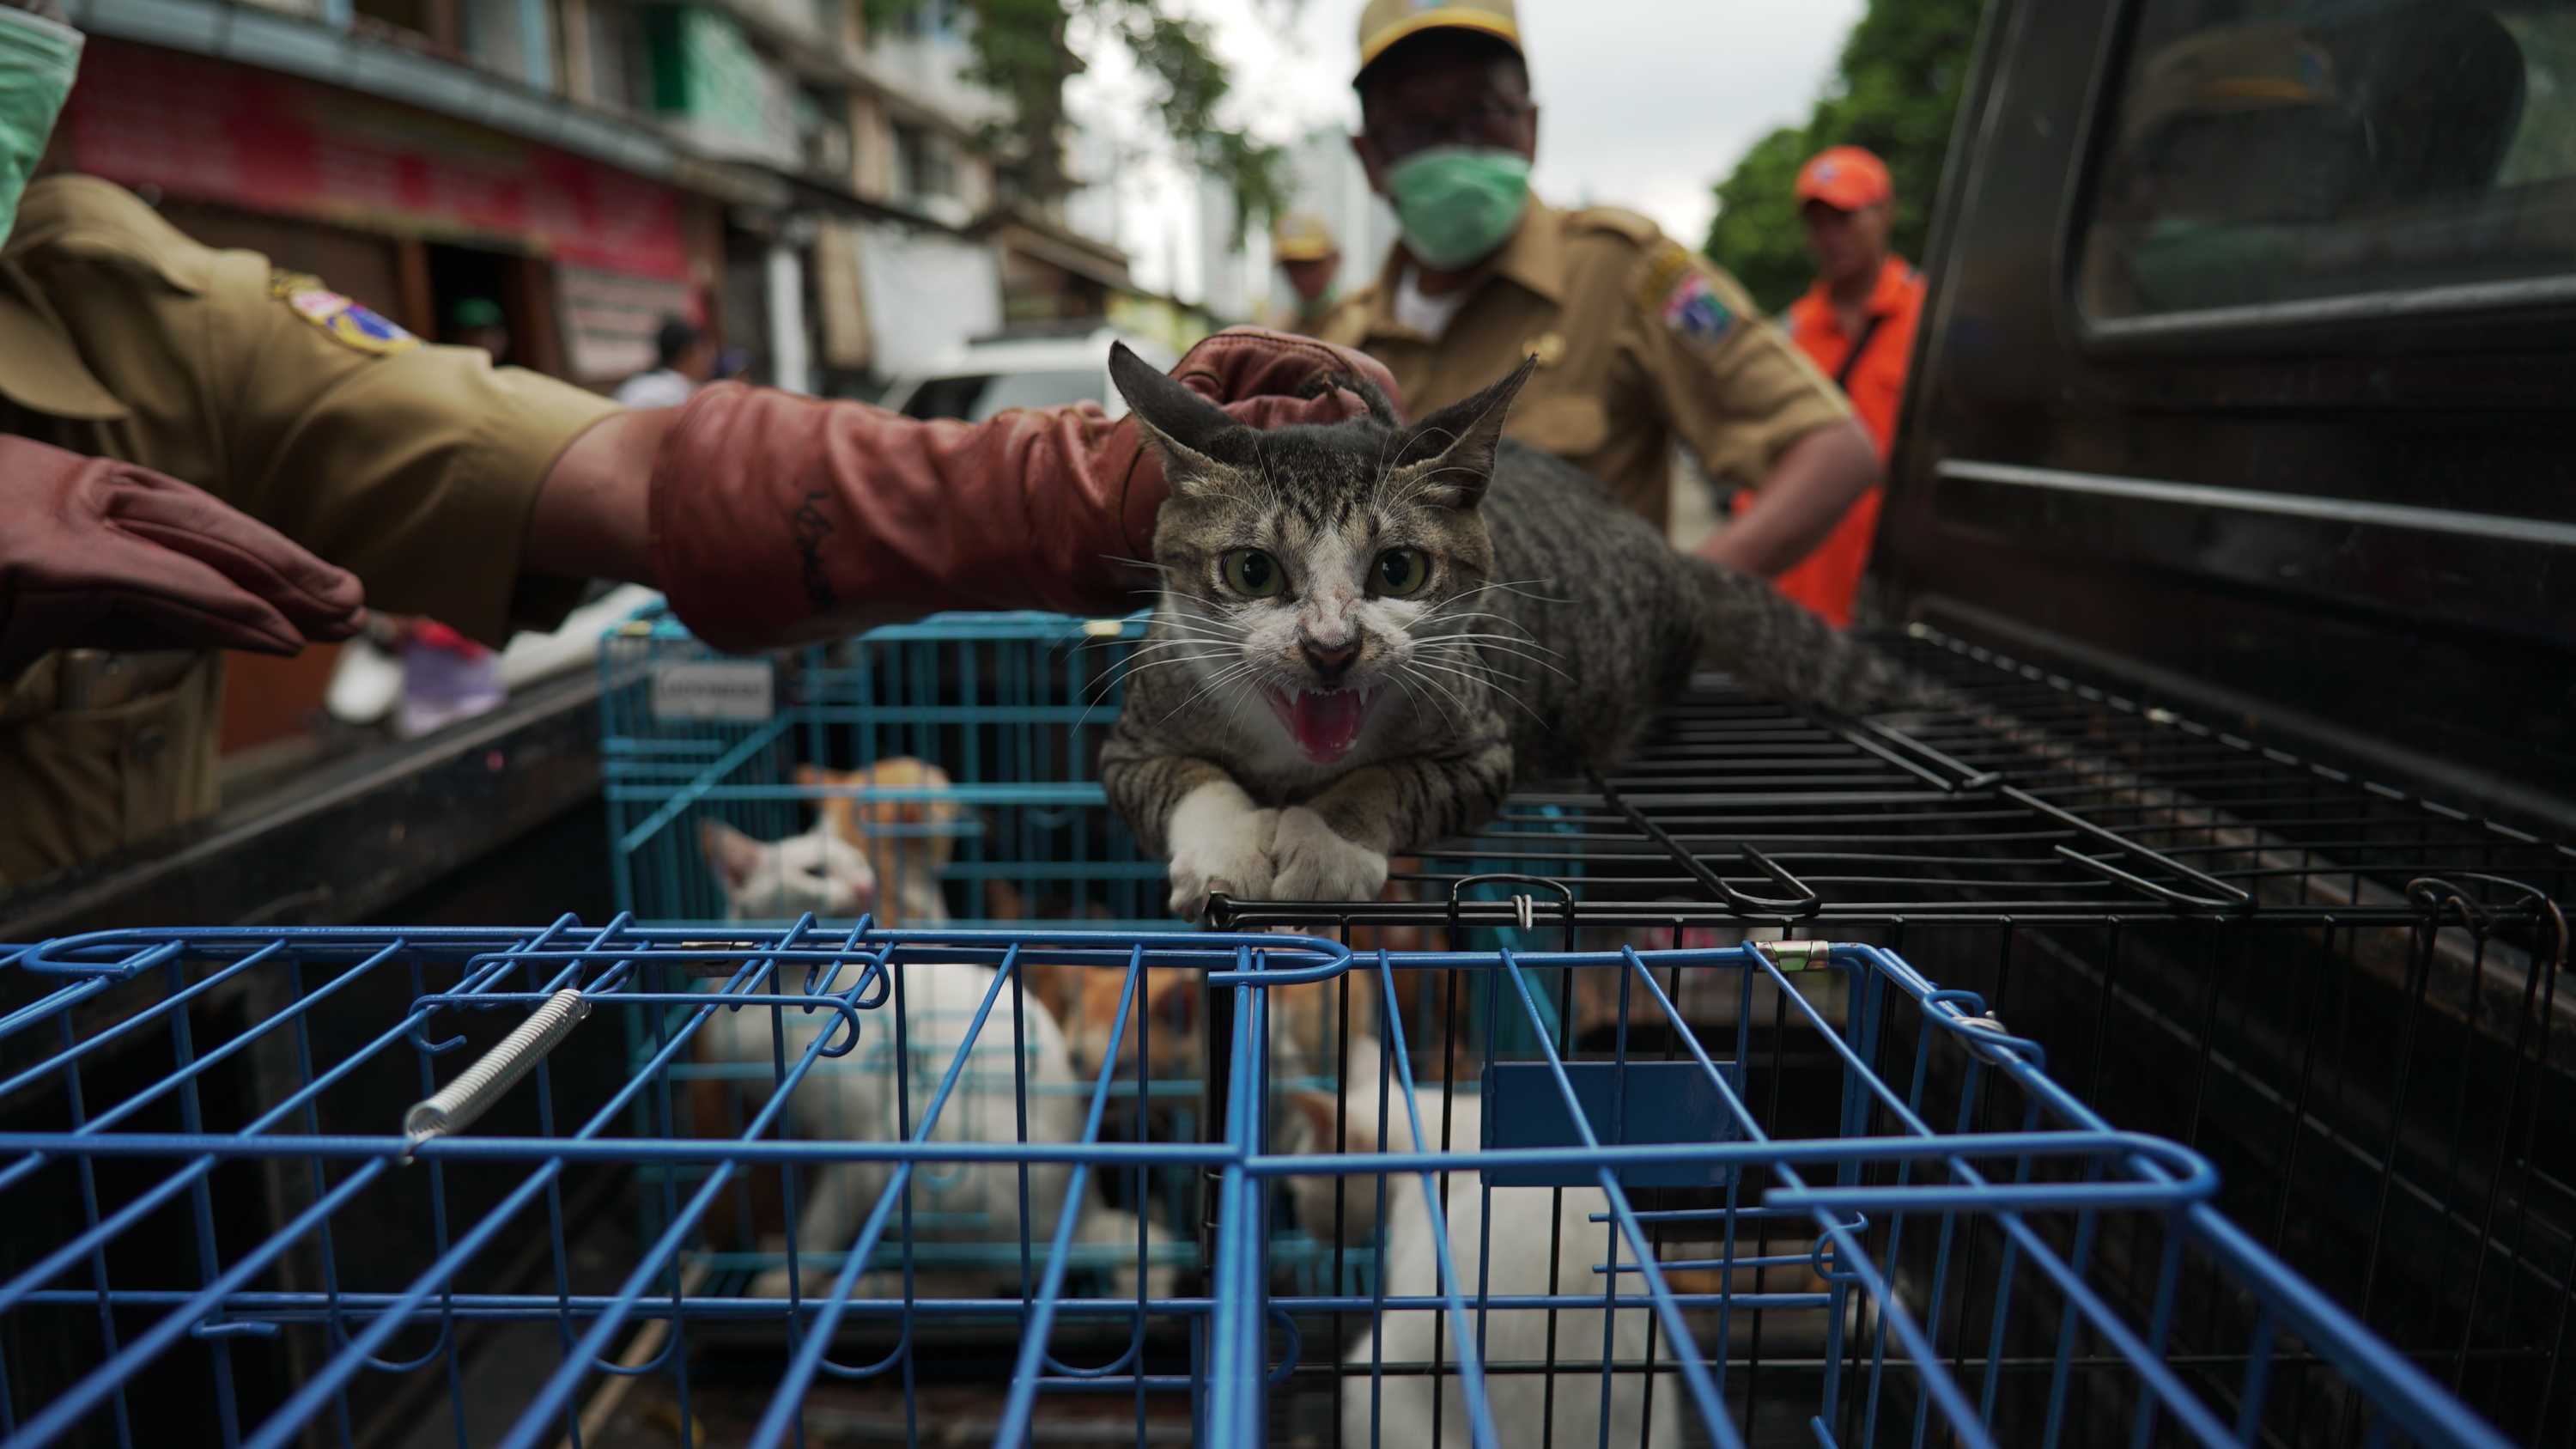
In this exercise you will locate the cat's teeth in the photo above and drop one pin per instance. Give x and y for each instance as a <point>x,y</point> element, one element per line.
<point>1325,723</point>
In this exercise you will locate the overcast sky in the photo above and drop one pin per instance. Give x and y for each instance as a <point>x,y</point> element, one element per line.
<point>1645,103</point>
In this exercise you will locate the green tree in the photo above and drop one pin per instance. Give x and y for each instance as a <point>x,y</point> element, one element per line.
<point>1023,52</point>
<point>1895,92</point>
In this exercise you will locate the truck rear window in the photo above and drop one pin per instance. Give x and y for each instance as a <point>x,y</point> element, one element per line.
<point>2260,153</point>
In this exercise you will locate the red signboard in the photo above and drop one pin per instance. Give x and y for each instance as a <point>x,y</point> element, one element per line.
<point>218,131</point>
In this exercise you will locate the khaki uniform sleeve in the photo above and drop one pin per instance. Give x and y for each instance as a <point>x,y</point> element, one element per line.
<point>1347,324</point>
<point>413,466</point>
<point>1729,383</point>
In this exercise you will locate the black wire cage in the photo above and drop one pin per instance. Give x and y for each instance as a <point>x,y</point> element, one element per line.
<point>2340,998</point>
<point>2345,995</point>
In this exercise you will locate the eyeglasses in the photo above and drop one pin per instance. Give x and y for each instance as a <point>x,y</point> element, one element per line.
<point>1399,131</point>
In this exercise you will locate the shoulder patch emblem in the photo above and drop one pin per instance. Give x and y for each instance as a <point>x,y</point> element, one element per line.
<point>1663,266</point>
<point>1691,308</point>
<point>342,320</point>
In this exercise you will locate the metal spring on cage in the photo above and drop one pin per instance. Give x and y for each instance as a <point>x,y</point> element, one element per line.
<point>456,1105</point>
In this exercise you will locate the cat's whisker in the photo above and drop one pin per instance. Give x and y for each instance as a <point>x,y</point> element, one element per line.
<point>1135,669</point>
<point>1474,676</point>
<point>1220,627</point>
<point>1200,641</point>
<point>1269,484</point>
<point>1100,696</point>
<point>1380,470</point>
<point>1231,672</point>
<point>1448,704</point>
<point>1502,620</point>
<point>1196,634</point>
<point>1470,631</point>
<point>1136,663</point>
<point>1476,653</point>
<point>1510,586</point>
<point>1481,635</point>
<point>1531,659</point>
<point>1151,645</point>
<point>1239,688</point>
<point>1498,673</point>
<point>1411,691</point>
<point>1512,641</point>
<point>1504,694</point>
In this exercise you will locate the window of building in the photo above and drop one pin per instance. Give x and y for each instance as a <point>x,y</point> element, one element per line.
<point>495,36</point>
<point>928,19</point>
<point>2261,153</point>
<point>925,161</point>
<point>432,20</point>
<point>617,64</point>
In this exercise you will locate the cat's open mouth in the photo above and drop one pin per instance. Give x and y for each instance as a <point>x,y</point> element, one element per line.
<point>1325,723</point>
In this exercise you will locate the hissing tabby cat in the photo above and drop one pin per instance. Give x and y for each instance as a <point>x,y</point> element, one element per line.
<point>1366,631</point>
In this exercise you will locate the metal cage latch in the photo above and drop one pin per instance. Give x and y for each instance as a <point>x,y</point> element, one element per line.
<point>455,1106</point>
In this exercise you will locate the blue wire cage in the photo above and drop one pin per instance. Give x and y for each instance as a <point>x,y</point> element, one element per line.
<point>360,1186</point>
<point>1009,708</point>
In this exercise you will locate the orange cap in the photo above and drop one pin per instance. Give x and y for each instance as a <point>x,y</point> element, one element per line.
<point>1845,178</point>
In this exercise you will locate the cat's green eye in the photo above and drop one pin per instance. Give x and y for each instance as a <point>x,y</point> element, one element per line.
<point>1402,572</point>
<point>1252,573</point>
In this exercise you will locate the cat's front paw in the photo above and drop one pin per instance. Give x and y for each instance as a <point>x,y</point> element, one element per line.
<point>1220,845</point>
<point>1314,863</point>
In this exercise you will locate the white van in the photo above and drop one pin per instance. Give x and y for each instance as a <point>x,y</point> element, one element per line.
<point>992,374</point>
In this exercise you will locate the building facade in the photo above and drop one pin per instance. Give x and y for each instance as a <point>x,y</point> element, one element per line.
<point>819,195</point>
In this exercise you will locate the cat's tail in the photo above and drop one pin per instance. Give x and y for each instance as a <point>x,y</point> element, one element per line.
<point>1781,649</point>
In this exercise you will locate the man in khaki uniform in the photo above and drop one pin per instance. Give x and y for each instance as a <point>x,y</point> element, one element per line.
<point>415,467</point>
<point>1639,340</point>
<point>1310,259</point>
<point>179,425</point>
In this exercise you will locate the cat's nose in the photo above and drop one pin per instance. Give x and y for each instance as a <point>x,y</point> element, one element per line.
<point>1329,661</point>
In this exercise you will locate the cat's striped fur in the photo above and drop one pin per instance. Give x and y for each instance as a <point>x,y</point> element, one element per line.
<point>1552,624</point>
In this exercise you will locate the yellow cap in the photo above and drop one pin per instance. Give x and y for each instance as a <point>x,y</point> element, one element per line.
<point>1385,22</point>
<point>1302,236</point>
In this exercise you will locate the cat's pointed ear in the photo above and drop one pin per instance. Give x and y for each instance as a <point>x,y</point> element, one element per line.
<point>1452,450</point>
<point>732,855</point>
<point>1195,438</point>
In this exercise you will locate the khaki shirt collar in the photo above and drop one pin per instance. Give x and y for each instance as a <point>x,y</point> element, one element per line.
<point>1535,256</point>
<point>40,370</point>
<point>1533,259</point>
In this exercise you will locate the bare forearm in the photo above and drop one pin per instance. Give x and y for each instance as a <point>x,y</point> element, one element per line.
<point>593,518</point>
<point>1815,481</point>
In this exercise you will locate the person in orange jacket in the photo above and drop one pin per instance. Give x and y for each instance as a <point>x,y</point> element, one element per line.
<point>1856,324</point>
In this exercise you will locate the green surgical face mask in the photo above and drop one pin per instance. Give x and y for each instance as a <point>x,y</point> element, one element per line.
<point>38,58</point>
<point>1458,204</point>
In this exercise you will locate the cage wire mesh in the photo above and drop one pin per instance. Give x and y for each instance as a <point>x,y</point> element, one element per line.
<point>957,754</point>
<point>955,758</point>
<point>1881,1219</point>
<point>2342,994</point>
